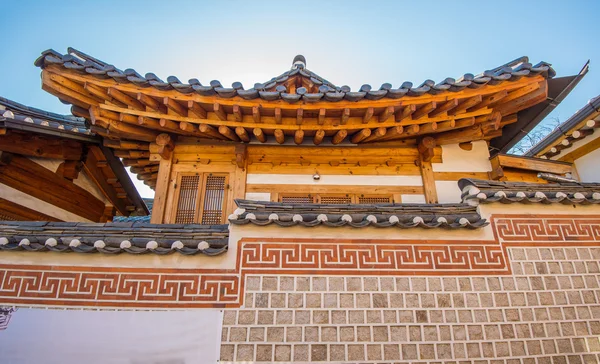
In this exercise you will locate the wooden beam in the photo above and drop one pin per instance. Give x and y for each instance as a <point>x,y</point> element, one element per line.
<point>299,116</point>
<point>39,146</point>
<point>19,212</point>
<point>29,177</point>
<point>218,110</point>
<point>425,148</point>
<point>209,130</point>
<point>256,114</point>
<point>368,115</point>
<point>168,124</point>
<point>242,134</point>
<point>405,112</point>
<point>345,116</point>
<point>279,136</point>
<point>277,112</point>
<point>376,135</point>
<point>533,164</point>
<point>465,104</point>
<point>319,135</point>
<point>151,103</point>
<point>445,107</point>
<point>126,99</point>
<point>489,100</point>
<point>196,110</point>
<point>339,136</point>
<point>98,176</point>
<point>299,136</point>
<point>260,135</point>
<point>360,135</point>
<point>227,133</point>
<point>237,113</point>
<point>386,113</point>
<point>165,146</point>
<point>322,114</point>
<point>394,132</point>
<point>175,106</point>
<point>424,110</point>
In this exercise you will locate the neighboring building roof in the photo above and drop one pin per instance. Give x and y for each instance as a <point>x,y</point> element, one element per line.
<point>527,119</point>
<point>29,120</point>
<point>274,89</point>
<point>451,216</point>
<point>577,127</point>
<point>113,238</point>
<point>17,116</point>
<point>138,218</point>
<point>476,191</point>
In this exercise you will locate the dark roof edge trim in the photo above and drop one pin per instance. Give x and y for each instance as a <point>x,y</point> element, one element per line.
<point>548,109</point>
<point>125,180</point>
<point>591,107</point>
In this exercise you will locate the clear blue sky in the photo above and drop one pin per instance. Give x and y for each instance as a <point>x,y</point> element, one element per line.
<point>347,42</point>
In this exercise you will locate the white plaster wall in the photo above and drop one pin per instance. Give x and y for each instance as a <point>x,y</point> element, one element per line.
<point>82,180</point>
<point>448,191</point>
<point>588,166</point>
<point>413,198</point>
<point>307,179</point>
<point>456,159</point>
<point>112,337</point>
<point>258,196</point>
<point>33,203</point>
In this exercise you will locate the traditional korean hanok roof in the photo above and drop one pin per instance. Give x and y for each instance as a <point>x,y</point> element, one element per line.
<point>28,123</point>
<point>449,216</point>
<point>17,116</point>
<point>113,238</point>
<point>297,106</point>
<point>559,143</point>
<point>476,191</point>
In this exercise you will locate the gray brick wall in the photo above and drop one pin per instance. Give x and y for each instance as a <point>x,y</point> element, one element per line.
<point>548,311</point>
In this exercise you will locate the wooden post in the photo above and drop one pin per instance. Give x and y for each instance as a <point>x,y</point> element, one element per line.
<point>162,181</point>
<point>427,172</point>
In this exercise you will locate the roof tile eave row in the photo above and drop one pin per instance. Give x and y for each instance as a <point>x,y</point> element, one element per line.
<point>13,111</point>
<point>113,238</point>
<point>275,90</point>
<point>448,216</point>
<point>481,191</point>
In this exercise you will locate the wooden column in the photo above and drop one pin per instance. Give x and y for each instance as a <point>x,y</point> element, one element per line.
<point>164,175</point>
<point>425,155</point>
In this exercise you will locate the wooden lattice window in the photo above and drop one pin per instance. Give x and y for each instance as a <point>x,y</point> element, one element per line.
<point>296,198</point>
<point>201,198</point>
<point>374,199</point>
<point>335,199</point>
<point>214,195</point>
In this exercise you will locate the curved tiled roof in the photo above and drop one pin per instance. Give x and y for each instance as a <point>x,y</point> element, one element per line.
<point>113,238</point>
<point>475,191</point>
<point>275,88</point>
<point>13,111</point>
<point>450,216</point>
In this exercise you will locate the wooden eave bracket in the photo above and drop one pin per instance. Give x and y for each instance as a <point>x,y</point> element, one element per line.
<point>166,145</point>
<point>426,147</point>
<point>501,161</point>
<point>241,154</point>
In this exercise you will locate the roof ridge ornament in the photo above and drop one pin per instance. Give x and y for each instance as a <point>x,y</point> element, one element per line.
<point>299,62</point>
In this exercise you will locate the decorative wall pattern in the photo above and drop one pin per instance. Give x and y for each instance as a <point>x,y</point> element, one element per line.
<point>185,288</point>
